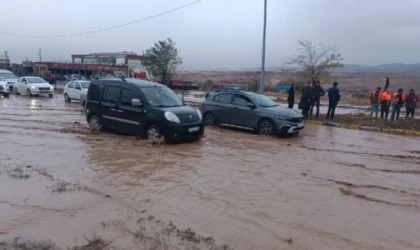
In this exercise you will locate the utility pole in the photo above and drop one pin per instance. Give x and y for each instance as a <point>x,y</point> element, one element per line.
<point>263,49</point>
<point>40,54</point>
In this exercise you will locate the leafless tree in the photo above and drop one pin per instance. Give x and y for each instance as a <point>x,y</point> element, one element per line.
<point>315,61</point>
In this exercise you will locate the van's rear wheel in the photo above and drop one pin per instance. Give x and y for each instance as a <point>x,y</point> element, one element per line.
<point>153,132</point>
<point>95,122</point>
<point>266,127</point>
<point>209,119</point>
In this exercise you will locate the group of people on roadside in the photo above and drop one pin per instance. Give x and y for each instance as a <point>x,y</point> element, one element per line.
<point>398,100</point>
<point>311,98</point>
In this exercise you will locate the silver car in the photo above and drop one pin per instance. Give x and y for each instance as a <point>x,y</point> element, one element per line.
<point>251,111</point>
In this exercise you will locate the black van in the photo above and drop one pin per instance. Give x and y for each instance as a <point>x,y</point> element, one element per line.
<point>133,106</point>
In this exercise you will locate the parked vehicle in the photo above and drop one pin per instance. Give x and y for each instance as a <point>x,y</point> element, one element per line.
<point>4,89</point>
<point>251,111</point>
<point>75,77</point>
<point>32,85</point>
<point>74,90</point>
<point>9,77</point>
<point>141,107</point>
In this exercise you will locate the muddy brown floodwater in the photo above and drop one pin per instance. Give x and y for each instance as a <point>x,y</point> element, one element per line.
<point>328,188</point>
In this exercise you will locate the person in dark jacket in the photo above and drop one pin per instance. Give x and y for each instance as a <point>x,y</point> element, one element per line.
<point>291,97</point>
<point>317,92</point>
<point>305,100</point>
<point>411,103</point>
<point>334,98</point>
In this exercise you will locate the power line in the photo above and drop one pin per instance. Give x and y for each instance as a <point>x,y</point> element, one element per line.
<point>104,29</point>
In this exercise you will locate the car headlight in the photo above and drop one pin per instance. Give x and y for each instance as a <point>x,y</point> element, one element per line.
<point>32,87</point>
<point>281,118</point>
<point>171,117</point>
<point>200,116</point>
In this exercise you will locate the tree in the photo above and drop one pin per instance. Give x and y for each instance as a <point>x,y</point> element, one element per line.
<point>315,61</point>
<point>162,59</point>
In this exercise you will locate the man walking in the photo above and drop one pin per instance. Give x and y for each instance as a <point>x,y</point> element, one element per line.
<point>385,100</point>
<point>291,97</point>
<point>411,104</point>
<point>333,98</point>
<point>398,103</point>
<point>374,102</point>
<point>317,92</point>
<point>305,100</point>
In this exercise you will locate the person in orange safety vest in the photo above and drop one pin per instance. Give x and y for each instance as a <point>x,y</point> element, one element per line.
<point>398,101</point>
<point>385,99</point>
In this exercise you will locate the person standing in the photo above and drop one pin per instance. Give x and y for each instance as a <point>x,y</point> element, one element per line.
<point>374,102</point>
<point>398,103</point>
<point>411,104</point>
<point>385,99</point>
<point>291,97</point>
<point>305,100</point>
<point>333,98</point>
<point>317,92</point>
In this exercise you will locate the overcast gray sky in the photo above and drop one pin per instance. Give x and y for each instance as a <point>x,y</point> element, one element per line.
<point>216,33</point>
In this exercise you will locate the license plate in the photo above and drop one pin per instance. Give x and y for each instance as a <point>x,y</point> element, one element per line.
<point>300,124</point>
<point>193,129</point>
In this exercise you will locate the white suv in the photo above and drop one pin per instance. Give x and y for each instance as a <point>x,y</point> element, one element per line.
<point>8,77</point>
<point>4,88</point>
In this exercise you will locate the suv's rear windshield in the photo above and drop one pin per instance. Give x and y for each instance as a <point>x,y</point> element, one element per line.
<point>161,97</point>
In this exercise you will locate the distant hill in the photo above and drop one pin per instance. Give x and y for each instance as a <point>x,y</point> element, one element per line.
<point>348,68</point>
<point>384,68</point>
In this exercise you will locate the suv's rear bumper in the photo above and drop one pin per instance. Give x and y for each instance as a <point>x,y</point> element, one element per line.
<point>176,131</point>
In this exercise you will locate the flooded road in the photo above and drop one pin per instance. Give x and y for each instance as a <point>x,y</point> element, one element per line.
<point>328,188</point>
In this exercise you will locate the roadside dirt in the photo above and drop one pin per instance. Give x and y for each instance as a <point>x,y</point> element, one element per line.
<point>65,187</point>
<point>367,120</point>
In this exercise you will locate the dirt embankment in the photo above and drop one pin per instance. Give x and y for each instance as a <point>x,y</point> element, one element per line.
<point>366,120</point>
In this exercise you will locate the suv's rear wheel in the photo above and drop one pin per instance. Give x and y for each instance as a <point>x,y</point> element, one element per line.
<point>266,127</point>
<point>209,119</point>
<point>95,122</point>
<point>153,132</point>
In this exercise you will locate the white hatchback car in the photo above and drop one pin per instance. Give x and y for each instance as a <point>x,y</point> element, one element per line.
<point>32,85</point>
<point>74,89</point>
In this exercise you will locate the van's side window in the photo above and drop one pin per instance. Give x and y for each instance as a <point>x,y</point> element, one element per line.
<point>111,94</point>
<point>126,96</point>
<point>94,93</point>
